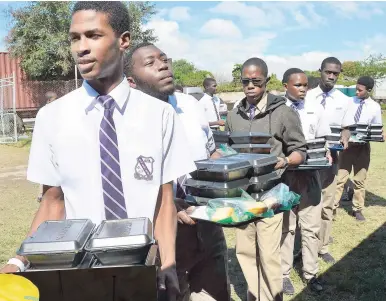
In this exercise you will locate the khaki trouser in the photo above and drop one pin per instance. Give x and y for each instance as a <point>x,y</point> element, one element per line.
<point>328,179</point>
<point>308,185</point>
<point>356,157</point>
<point>202,263</point>
<point>258,252</point>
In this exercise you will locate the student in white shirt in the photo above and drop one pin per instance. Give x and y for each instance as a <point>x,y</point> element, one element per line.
<point>211,104</point>
<point>201,249</point>
<point>362,109</point>
<point>305,183</point>
<point>105,160</point>
<point>335,105</point>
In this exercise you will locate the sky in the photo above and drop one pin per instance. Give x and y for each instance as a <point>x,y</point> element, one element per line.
<point>216,35</point>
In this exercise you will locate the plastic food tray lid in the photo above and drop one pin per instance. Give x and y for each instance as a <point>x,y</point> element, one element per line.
<point>318,140</point>
<point>222,164</point>
<point>264,178</point>
<point>249,134</point>
<point>335,127</point>
<point>251,146</point>
<point>216,185</point>
<point>318,150</point>
<point>55,237</point>
<point>121,234</point>
<point>256,160</point>
<point>318,161</point>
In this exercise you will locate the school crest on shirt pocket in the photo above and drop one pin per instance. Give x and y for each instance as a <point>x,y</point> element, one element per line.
<point>144,168</point>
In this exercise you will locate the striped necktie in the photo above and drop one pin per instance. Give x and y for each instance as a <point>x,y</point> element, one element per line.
<point>323,102</point>
<point>252,109</point>
<point>215,109</point>
<point>295,106</point>
<point>114,200</point>
<point>359,111</point>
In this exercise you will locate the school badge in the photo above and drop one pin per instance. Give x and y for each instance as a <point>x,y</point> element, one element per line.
<point>144,168</point>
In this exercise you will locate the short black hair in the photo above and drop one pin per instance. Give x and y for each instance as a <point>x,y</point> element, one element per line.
<point>257,62</point>
<point>313,82</point>
<point>208,81</point>
<point>330,60</point>
<point>366,81</point>
<point>128,61</point>
<point>119,17</point>
<point>289,72</point>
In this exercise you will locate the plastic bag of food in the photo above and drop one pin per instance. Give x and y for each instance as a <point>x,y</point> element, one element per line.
<point>282,196</point>
<point>226,150</point>
<point>236,210</point>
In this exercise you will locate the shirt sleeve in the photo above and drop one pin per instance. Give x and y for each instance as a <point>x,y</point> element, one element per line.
<point>293,137</point>
<point>323,126</point>
<point>348,118</point>
<point>42,164</point>
<point>177,160</point>
<point>210,145</point>
<point>378,115</point>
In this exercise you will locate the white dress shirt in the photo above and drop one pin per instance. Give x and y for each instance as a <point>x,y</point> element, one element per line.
<point>311,116</point>
<point>336,105</point>
<point>207,104</point>
<point>201,144</point>
<point>371,111</point>
<point>65,149</point>
<point>198,132</point>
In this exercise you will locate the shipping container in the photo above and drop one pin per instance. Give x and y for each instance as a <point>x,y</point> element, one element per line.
<point>9,67</point>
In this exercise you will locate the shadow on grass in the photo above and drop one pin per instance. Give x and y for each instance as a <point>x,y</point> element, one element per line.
<point>371,200</point>
<point>359,276</point>
<point>236,275</point>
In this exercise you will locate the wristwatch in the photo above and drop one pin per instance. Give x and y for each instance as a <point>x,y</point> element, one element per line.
<point>286,161</point>
<point>20,264</point>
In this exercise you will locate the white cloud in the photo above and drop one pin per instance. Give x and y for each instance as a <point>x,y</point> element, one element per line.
<point>251,15</point>
<point>357,10</point>
<point>272,14</point>
<point>179,13</point>
<point>220,28</point>
<point>218,54</point>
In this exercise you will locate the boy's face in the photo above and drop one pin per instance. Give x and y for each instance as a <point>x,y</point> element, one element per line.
<point>297,86</point>
<point>254,82</point>
<point>95,47</point>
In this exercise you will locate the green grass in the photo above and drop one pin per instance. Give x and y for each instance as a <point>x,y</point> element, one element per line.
<point>360,248</point>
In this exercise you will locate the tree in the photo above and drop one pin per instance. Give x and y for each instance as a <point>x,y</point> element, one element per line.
<point>236,73</point>
<point>186,74</point>
<point>274,84</point>
<point>39,36</point>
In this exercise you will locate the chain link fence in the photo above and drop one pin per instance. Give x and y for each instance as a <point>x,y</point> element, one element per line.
<point>10,125</point>
<point>40,92</point>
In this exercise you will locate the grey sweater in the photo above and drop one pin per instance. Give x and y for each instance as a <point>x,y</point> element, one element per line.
<point>278,120</point>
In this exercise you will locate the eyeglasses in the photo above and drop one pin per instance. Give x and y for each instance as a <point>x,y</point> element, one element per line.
<point>257,82</point>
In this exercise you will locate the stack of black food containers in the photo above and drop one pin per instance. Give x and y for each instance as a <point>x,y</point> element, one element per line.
<point>217,178</point>
<point>316,152</point>
<point>333,140</point>
<point>250,142</point>
<point>223,177</point>
<point>74,243</point>
<point>220,137</point>
<point>370,132</point>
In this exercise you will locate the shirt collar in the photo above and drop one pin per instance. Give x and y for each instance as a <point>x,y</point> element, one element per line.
<point>299,104</point>
<point>120,94</point>
<point>319,92</point>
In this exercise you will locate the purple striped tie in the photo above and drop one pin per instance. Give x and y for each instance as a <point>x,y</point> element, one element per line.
<point>252,112</point>
<point>115,206</point>
<point>359,111</point>
<point>323,102</point>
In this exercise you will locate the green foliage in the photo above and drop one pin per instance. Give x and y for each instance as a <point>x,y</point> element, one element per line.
<point>186,74</point>
<point>274,84</point>
<point>236,73</point>
<point>229,87</point>
<point>39,36</point>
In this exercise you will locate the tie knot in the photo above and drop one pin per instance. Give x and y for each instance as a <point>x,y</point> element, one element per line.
<point>106,101</point>
<point>296,104</point>
<point>362,101</point>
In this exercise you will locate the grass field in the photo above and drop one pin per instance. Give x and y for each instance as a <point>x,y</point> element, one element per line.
<point>360,248</point>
